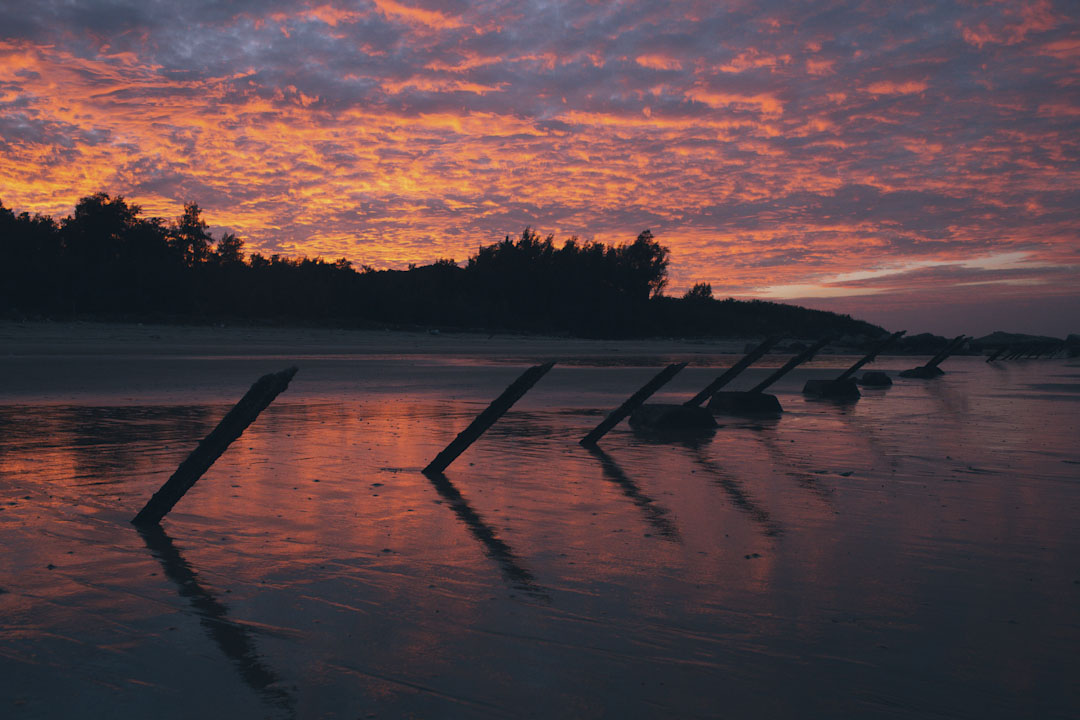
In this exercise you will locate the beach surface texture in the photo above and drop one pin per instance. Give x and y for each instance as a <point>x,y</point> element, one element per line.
<point>911,554</point>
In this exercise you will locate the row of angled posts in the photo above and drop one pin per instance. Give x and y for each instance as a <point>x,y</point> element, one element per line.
<point>1026,351</point>
<point>690,416</point>
<point>844,386</point>
<point>678,417</point>
<point>756,400</point>
<point>237,644</point>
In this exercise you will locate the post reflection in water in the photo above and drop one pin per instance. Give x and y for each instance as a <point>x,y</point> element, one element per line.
<point>795,468</point>
<point>233,639</point>
<point>654,513</point>
<point>517,575</point>
<point>740,496</point>
<point>864,430</point>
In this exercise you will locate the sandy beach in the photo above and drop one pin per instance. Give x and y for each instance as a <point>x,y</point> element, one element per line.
<point>90,338</point>
<point>911,555</point>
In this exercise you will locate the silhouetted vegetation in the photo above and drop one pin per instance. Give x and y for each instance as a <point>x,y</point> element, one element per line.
<point>107,261</point>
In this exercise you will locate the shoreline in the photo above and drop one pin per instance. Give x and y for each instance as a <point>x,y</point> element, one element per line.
<point>110,338</point>
<point>91,338</point>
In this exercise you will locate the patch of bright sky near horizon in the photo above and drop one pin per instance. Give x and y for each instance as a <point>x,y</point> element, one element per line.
<point>878,159</point>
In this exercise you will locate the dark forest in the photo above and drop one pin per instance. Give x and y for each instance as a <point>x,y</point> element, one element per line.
<point>108,261</point>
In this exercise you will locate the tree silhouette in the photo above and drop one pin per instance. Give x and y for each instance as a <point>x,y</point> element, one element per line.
<point>230,250</point>
<point>190,237</point>
<point>99,231</point>
<point>701,292</point>
<point>103,252</point>
<point>30,259</point>
<point>107,261</point>
<point>647,264</point>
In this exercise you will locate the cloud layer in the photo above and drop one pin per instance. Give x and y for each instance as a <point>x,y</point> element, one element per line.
<point>779,149</point>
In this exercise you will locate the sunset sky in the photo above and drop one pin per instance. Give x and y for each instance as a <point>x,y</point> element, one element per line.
<point>915,164</point>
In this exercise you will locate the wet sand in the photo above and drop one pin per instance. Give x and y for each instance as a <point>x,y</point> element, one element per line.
<point>913,555</point>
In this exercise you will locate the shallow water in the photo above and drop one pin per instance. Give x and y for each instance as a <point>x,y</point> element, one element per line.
<point>913,555</point>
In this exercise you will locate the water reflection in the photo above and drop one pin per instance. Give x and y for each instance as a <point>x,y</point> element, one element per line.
<point>685,437</point>
<point>739,495</point>
<point>100,445</point>
<point>796,468</point>
<point>865,431</point>
<point>953,402</point>
<point>515,573</point>
<point>654,513</point>
<point>234,640</point>
<point>973,579</point>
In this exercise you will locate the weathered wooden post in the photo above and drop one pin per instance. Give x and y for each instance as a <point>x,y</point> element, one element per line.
<point>843,387</point>
<point>994,356</point>
<point>632,403</point>
<point>756,401</point>
<point>257,399</point>
<point>751,357</point>
<point>487,418</point>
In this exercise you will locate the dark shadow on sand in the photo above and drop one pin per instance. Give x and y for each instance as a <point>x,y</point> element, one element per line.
<point>864,430</point>
<point>233,639</point>
<point>804,476</point>
<point>655,514</point>
<point>740,497</point>
<point>515,574</point>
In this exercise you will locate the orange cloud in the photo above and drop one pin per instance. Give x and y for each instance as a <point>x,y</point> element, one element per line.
<point>416,16</point>
<point>1018,22</point>
<point>393,134</point>
<point>886,87</point>
<point>658,62</point>
<point>764,103</point>
<point>1067,50</point>
<point>753,58</point>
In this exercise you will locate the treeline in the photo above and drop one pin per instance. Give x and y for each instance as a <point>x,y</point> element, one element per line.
<point>107,261</point>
